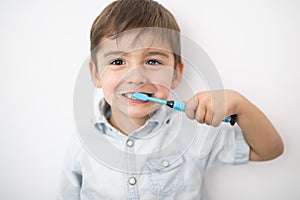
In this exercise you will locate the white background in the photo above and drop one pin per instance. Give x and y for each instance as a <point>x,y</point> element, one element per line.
<point>254,44</point>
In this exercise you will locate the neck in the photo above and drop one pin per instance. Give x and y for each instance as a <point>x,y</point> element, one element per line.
<point>125,124</point>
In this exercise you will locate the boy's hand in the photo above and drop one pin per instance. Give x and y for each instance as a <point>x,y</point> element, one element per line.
<point>211,107</point>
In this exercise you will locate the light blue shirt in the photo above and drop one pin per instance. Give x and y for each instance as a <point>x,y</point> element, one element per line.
<point>171,175</point>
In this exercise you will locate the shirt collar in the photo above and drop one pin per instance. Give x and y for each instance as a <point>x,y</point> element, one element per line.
<point>152,126</point>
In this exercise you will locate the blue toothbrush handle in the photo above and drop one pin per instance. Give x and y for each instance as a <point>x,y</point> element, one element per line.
<point>231,119</point>
<point>160,101</point>
<point>176,105</point>
<point>179,106</point>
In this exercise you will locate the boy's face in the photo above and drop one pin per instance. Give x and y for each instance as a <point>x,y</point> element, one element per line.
<point>124,68</point>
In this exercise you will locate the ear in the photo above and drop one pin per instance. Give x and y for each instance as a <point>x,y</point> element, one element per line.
<point>94,74</point>
<point>177,76</point>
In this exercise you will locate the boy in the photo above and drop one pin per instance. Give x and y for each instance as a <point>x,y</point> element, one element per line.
<point>126,59</point>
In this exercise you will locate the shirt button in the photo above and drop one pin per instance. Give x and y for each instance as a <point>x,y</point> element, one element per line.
<point>132,181</point>
<point>165,163</point>
<point>130,143</point>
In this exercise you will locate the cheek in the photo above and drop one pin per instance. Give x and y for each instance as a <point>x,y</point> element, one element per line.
<point>163,77</point>
<point>163,91</point>
<point>109,85</point>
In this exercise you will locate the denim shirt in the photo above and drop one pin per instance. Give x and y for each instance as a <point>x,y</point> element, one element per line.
<point>167,176</point>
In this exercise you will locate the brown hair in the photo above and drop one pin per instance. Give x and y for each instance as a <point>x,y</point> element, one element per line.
<point>123,15</point>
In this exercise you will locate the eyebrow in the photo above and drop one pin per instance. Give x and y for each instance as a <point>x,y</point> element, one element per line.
<point>153,53</point>
<point>148,53</point>
<point>114,53</point>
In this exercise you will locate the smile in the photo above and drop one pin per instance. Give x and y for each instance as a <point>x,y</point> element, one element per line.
<point>129,95</point>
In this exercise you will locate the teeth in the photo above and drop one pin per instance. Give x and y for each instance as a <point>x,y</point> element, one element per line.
<point>128,95</point>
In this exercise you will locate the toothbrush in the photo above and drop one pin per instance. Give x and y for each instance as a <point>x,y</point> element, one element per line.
<point>180,106</point>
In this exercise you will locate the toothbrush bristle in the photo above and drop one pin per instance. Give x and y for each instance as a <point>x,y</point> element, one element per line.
<point>140,96</point>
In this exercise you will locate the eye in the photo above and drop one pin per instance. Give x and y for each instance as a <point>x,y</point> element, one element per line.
<point>153,62</point>
<point>117,62</point>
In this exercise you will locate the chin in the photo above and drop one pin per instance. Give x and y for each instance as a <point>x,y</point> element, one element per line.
<point>141,113</point>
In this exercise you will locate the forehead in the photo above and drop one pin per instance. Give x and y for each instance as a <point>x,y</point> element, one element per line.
<point>134,40</point>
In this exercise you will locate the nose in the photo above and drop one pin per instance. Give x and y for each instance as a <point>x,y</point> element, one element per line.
<point>136,76</point>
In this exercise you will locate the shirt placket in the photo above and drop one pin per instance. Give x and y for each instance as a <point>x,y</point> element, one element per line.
<point>132,181</point>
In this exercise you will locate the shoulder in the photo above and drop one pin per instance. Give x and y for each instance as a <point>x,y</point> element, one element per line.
<point>75,149</point>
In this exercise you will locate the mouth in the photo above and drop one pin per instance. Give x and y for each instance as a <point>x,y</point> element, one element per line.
<point>128,95</point>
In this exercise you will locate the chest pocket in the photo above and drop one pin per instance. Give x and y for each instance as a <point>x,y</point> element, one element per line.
<point>166,176</point>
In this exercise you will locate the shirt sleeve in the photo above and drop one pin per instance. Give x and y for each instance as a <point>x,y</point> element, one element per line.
<point>242,151</point>
<point>71,176</point>
<point>229,147</point>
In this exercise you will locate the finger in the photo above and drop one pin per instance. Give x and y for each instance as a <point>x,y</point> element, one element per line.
<point>201,113</point>
<point>216,122</point>
<point>217,119</point>
<point>209,115</point>
<point>191,107</point>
